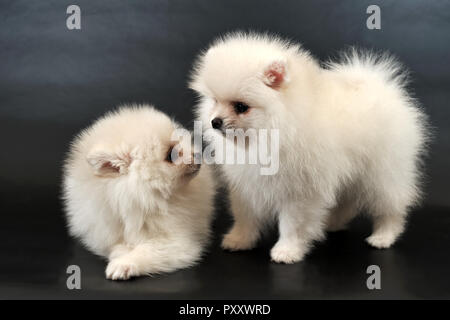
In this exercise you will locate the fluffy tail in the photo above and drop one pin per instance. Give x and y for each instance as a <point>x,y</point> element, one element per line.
<point>364,62</point>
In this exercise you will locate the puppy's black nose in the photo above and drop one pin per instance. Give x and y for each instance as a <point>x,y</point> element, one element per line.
<point>216,123</point>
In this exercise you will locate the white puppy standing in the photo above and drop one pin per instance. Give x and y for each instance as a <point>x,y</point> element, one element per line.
<point>351,138</point>
<point>128,199</point>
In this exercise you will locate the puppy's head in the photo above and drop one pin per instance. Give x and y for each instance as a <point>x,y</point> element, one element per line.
<point>241,79</point>
<point>135,150</point>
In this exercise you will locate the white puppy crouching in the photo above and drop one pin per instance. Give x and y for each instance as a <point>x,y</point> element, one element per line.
<point>350,139</point>
<point>128,201</point>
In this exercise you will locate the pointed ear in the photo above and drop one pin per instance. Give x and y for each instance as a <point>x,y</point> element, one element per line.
<point>107,163</point>
<point>275,74</point>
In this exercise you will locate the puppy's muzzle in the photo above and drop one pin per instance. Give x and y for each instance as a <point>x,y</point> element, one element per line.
<point>194,168</point>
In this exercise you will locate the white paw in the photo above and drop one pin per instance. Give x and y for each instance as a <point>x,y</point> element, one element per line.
<point>235,241</point>
<point>284,253</point>
<point>381,241</point>
<point>121,269</point>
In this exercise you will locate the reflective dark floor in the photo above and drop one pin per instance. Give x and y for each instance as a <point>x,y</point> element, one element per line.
<point>36,252</point>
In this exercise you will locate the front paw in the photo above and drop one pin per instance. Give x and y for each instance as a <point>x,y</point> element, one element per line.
<point>287,253</point>
<point>121,269</point>
<point>237,241</point>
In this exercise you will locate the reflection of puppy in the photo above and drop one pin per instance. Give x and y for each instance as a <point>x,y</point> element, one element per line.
<point>127,200</point>
<point>350,138</point>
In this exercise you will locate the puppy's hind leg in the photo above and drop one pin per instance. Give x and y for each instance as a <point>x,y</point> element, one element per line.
<point>153,257</point>
<point>388,209</point>
<point>387,228</point>
<point>119,250</point>
<point>246,228</point>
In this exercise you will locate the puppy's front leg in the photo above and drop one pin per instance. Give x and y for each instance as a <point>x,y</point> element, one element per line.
<point>154,256</point>
<point>299,225</point>
<point>246,228</point>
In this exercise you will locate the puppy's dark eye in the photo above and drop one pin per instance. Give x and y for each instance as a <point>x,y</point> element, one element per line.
<point>169,155</point>
<point>240,107</point>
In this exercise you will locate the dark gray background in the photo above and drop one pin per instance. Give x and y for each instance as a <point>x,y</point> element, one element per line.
<point>55,81</point>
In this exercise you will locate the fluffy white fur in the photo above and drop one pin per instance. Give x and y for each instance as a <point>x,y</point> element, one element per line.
<point>351,139</point>
<point>127,203</point>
